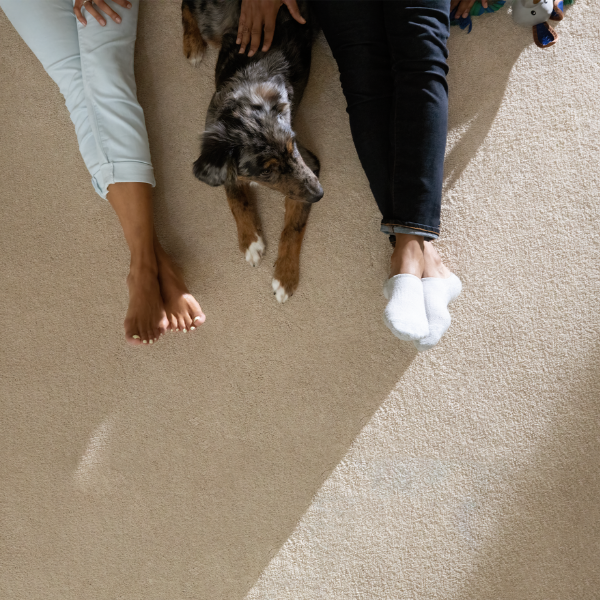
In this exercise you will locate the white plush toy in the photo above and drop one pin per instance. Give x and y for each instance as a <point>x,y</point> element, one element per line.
<point>535,14</point>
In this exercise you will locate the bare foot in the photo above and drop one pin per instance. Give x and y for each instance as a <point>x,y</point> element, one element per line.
<point>146,319</point>
<point>434,267</point>
<point>182,309</point>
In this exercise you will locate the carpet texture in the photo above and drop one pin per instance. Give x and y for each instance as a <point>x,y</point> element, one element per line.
<point>301,451</point>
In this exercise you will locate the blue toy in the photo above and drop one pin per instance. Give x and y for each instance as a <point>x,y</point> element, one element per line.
<point>535,14</point>
<point>529,13</point>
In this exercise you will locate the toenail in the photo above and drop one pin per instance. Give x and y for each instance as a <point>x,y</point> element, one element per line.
<point>185,331</point>
<point>197,319</point>
<point>144,342</point>
<point>151,341</point>
<point>135,337</point>
<point>192,328</point>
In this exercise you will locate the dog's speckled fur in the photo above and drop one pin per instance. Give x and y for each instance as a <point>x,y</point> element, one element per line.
<point>249,136</point>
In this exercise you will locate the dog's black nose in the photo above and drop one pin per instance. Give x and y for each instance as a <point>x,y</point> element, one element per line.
<point>317,195</point>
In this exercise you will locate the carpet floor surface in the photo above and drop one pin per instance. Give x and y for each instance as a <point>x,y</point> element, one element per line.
<point>301,452</point>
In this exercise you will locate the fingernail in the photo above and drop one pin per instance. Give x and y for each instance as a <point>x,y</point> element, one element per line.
<point>144,342</point>
<point>135,337</point>
<point>238,41</point>
<point>251,53</point>
<point>192,328</point>
<point>118,20</point>
<point>129,5</point>
<point>103,23</point>
<point>241,51</point>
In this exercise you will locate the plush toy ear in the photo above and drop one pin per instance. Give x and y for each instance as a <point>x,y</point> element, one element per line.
<point>214,161</point>
<point>544,36</point>
<point>558,12</point>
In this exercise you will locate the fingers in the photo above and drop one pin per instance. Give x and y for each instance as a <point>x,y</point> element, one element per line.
<point>101,4</point>
<point>269,33</point>
<point>464,8</point>
<point>78,15</point>
<point>293,8</point>
<point>256,34</point>
<point>106,9</point>
<point>242,23</point>
<point>94,13</point>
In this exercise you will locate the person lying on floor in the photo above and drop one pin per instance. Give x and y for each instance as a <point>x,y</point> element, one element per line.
<point>87,49</point>
<point>392,61</point>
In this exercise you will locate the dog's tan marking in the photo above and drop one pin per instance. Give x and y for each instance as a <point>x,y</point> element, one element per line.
<point>243,207</point>
<point>193,42</point>
<point>268,92</point>
<point>290,145</point>
<point>270,163</point>
<point>287,266</point>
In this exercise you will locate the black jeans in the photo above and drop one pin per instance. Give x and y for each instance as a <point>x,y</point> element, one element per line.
<point>392,60</point>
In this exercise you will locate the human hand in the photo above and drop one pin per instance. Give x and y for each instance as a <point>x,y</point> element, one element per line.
<point>464,7</point>
<point>98,5</point>
<point>257,15</point>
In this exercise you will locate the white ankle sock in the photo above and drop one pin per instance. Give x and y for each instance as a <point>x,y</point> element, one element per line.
<point>438,294</point>
<point>405,313</point>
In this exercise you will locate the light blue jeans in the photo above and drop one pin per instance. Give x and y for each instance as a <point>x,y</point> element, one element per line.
<point>93,68</point>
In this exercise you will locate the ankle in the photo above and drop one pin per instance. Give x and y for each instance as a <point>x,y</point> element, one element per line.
<point>408,256</point>
<point>434,267</point>
<point>143,266</point>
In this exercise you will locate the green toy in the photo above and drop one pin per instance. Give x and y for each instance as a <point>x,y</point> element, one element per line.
<point>476,10</point>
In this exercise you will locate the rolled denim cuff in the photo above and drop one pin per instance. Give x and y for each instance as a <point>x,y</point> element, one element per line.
<point>393,228</point>
<point>122,172</point>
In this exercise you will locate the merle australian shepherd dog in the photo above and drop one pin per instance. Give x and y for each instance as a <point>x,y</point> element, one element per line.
<point>249,136</point>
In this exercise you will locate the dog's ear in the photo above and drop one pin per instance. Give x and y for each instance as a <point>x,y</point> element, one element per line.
<point>214,161</point>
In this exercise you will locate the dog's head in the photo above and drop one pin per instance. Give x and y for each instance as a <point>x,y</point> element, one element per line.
<point>252,140</point>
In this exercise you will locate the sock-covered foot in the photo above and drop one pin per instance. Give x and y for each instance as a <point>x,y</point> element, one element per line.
<point>405,314</point>
<point>438,294</point>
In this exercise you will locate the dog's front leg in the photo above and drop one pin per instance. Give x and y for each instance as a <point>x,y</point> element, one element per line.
<point>243,207</point>
<point>287,267</point>
<point>193,42</point>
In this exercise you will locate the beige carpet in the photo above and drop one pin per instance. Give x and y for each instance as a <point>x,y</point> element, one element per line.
<point>300,451</point>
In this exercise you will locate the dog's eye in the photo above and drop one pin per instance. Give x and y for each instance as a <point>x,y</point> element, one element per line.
<point>533,12</point>
<point>265,172</point>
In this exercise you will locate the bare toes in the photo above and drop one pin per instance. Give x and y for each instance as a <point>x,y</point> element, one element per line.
<point>181,324</point>
<point>134,340</point>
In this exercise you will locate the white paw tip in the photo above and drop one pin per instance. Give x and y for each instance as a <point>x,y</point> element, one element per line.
<point>279,291</point>
<point>196,59</point>
<point>255,252</point>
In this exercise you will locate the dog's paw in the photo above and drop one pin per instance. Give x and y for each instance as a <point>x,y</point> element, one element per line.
<point>279,291</point>
<point>195,55</point>
<point>255,252</point>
